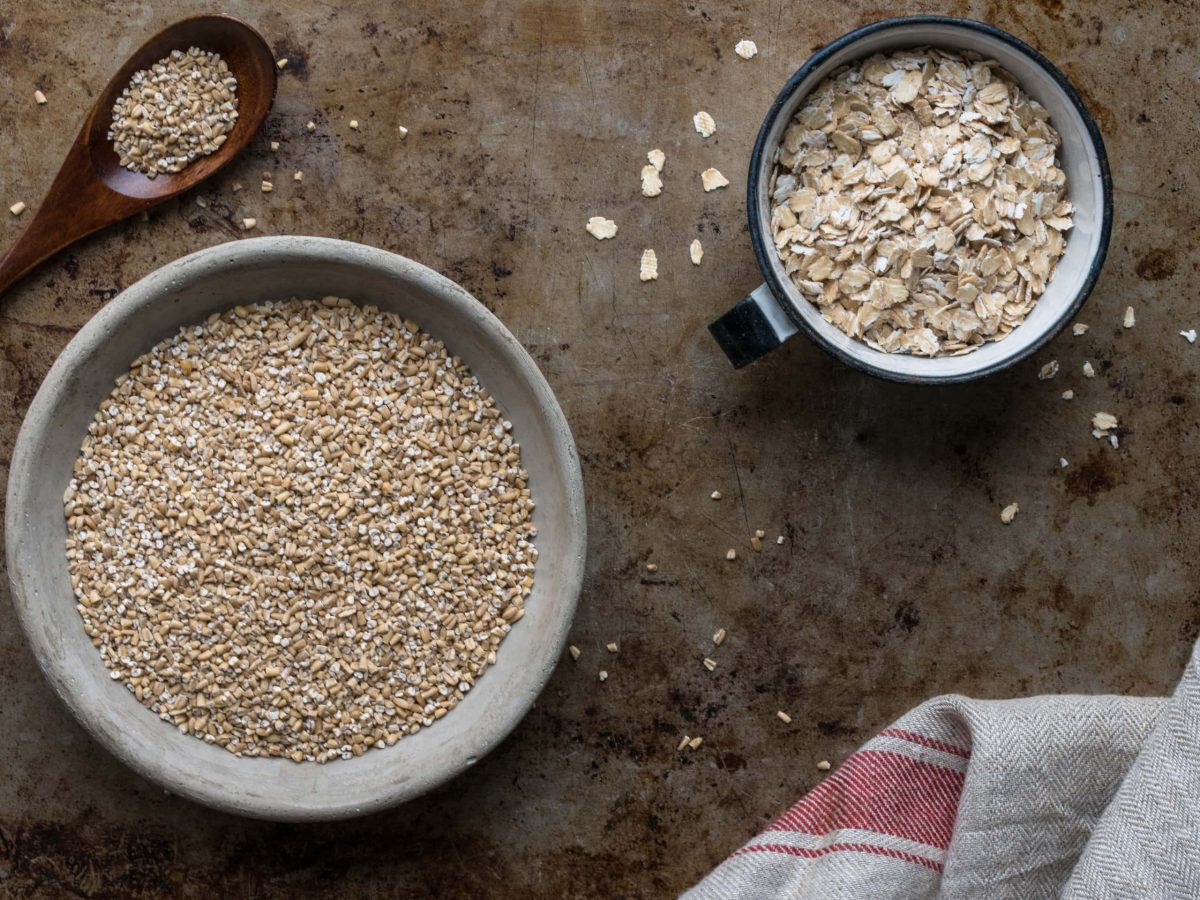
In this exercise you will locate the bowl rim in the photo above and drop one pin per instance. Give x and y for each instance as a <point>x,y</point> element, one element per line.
<point>39,426</point>
<point>754,187</point>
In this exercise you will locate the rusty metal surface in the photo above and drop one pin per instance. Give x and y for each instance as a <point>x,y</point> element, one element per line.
<point>897,580</point>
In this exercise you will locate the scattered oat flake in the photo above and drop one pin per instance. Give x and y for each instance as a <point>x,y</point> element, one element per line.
<point>281,64</point>
<point>704,123</point>
<point>1104,422</point>
<point>297,175</point>
<point>1189,335</point>
<point>731,554</point>
<point>39,98</point>
<point>202,203</point>
<point>1048,371</point>
<point>274,146</point>
<point>574,651</point>
<point>710,663</point>
<point>651,181</point>
<point>712,179</point>
<point>1089,371</point>
<point>248,223</point>
<point>1079,329</point>
<point>267,187</point>
<point>1009,513</point>
<point>354,124</point>
<point>1130,318</point>
<point>779,540</point>
<point>657,159</point>
<point>403,132</point>
<point>824,765</point>
<point>612,647</point>
<point>311,126</point>
<point>1062,462</point>
<point>719,637</point>
<point>683,742</point>
<point>746,49</point>
<point>651,567</point>
<point>716,495</point>
<point>696,251</point>
<point>601,228</point>
<point>783,717</point>
<point>695,743</point>
<point>1068,395</point>
<point>648,269</point>
<point>17,208</point>
<point>1112,439</point>
<point>603,676</point>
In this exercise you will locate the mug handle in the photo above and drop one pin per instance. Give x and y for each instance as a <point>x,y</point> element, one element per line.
<point>754,327</point>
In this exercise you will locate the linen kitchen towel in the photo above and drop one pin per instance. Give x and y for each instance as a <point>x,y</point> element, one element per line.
<point>1079,797</point>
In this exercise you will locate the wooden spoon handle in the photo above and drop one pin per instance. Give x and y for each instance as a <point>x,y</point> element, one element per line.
<point>77,204</point>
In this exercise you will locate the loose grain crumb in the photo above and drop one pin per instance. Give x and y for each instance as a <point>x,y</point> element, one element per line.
<point>746,49</point>
<point>574,651</point>
<point>603,675</point>
<point>1068,395</point>
<point>1189,335</point>
<point>715,495</point>
<point>779,540</point>
<point>824,765</point>
<point>783,717</point>
<point>17,208</point>
<point>704,124</point>
<point>249,223</point>
<point>403,132</point>
<point>1089,371</point>
<point>1079,329</point>
<point>310,126</point>
<point>281,63</point>
<point>612,647</point>
<point>354,124</point>
<point>202,203</point>
<point>657,158</point>
<point>683,742</point>
<point>297,175</point>
<point>719,638</point>
<point>39,98</point>
<point>710,663</point>
<point>267,187</point>
<point>696,252</point>
<point>601,228</point>
<point>648,266</point>
<point>651,181</point>
<point>695,743</point>
<point>1009,513</point>
<point>274,146</point>
<point>1062,462</point>
<point>651,567</point>
<point>1130,317</point>
<point>712,180</point>
<point>1048,371</point>
<point>1103,423</point>
<point>731,554</point>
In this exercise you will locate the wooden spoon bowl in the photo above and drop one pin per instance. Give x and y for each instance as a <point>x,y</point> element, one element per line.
<point>92,189</point>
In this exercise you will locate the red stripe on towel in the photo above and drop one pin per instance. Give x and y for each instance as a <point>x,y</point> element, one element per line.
<point>884,792</point>
<point>806,853</point>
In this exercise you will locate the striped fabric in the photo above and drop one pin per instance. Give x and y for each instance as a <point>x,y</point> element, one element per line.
<point>1072,796</point>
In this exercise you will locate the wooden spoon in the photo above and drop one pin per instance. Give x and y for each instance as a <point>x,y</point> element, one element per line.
<point>93,191</point>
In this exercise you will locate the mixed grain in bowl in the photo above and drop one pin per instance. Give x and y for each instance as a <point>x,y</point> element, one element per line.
<point>918,203</point>
<point>299,529</point>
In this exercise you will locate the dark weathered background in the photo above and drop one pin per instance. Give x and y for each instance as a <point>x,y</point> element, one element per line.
<point>897,580</point>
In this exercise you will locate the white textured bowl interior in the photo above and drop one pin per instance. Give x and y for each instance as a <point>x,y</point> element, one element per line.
<point>185,292</point>
<point>1084,186</point>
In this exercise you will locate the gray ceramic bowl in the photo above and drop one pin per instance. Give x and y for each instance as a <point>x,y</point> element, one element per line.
<point>776,310</point>
<point>187,291</point>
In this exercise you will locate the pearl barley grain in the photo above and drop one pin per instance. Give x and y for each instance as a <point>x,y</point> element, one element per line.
<point>299,530</point>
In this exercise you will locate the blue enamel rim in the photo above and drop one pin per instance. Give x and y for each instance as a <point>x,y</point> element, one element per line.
<point>763,248</point>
